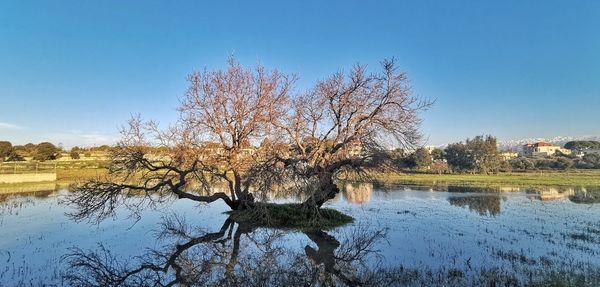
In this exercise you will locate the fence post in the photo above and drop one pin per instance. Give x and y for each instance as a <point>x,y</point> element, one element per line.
<point>15,167</point>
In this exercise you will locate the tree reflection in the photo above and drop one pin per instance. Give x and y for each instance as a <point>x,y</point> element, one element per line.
<point>485,205</point>
<point>236,255</point>
<point>486,201</point>
<point>586,195</point>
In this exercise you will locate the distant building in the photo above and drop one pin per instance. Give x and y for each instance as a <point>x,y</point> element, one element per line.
<point>543,149</point>
<point>508,155</point>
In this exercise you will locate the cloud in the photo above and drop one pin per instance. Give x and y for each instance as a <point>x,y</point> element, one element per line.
<point>9,126</point>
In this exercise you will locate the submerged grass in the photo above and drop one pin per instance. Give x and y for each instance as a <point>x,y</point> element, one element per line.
<point>290,215</point>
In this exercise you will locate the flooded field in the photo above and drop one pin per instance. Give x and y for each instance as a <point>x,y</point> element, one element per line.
<point>402,235</point>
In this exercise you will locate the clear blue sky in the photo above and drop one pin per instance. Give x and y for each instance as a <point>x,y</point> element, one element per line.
<point>74,71</point>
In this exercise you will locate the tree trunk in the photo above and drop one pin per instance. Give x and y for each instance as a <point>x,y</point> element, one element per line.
<point>327,190</point>
<point>245,201</point>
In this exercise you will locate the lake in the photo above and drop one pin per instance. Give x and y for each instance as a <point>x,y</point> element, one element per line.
<point>403,235</point>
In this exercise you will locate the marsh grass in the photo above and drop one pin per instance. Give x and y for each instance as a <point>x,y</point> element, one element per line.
<point>544,178</point>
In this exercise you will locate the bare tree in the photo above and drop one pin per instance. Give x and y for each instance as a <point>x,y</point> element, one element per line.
<point>207,155</point>
<point>240,133</point>
<point>344,121</point>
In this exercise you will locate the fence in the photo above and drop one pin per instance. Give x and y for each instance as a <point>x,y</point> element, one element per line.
<point>27,167</point>
<point>35,167</point>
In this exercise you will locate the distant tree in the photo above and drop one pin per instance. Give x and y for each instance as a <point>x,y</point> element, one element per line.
<point>486,158</point>
<point>5,149</point>
<point>459,157</point>
<point>45,151</point>
<point>592,160</point>
<point>582,145</point>
<point>420,159</point>
<point>102,148</point>
<point>74,154</point>
<point>479,154</point>
<point>30,148</point>
<point>437,154</point>
<point>522,163</point>
<point>560,163</point>
<point>564,163</point>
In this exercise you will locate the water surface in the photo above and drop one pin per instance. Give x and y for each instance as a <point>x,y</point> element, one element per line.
<point>402,235</point>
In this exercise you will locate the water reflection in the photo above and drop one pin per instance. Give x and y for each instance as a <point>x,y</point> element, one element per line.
<point>587,195</point>
<point>34,189</point>
<point>358,193</point>
<point>486,204</point>
<point>236,255</point>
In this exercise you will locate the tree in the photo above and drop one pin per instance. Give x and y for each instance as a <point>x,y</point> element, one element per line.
<point>437,154</point>
<point>479,154</point>
<point>522,163</point>
<point>421,158</point>
<point>582,145</point>
<point>213,151</point>
<point>343,114</point>
<point>459,157</point>
<point>45,151</point>
<point>221,114</point>
<point>6,149</point>
<point>74,154</point>
<point>592,160</point>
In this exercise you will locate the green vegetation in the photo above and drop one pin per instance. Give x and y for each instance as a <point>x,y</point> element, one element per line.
<point>420,159</point>
<point>582,145</point>
<point>5,149</point>
<point>573,178</point>
<point>290,216</point>
<point>74,154</point>
<point>80,174</point>
<point>46,151</point>
<point>479,154</point>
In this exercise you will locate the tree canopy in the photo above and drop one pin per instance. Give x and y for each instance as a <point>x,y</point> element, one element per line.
<point>5,149</point>
<point>479,154</point>
<point>243,132</point>
<point>45,151</point>
<point>582,145</point>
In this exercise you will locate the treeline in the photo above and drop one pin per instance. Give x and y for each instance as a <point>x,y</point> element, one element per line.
<point>481,155</point>
<point>582,145</point>
<point>43,151</point>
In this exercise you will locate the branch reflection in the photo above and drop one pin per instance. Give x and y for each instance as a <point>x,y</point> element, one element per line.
<point>237,254</point>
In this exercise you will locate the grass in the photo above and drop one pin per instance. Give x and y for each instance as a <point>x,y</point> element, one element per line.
<point>290,216</point>
<point>77,175</point>
<point>545,178</point>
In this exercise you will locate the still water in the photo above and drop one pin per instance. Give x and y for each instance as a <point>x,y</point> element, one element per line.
<point>402,236</point>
